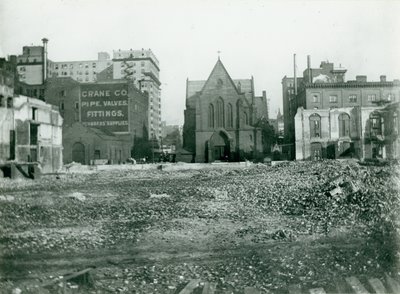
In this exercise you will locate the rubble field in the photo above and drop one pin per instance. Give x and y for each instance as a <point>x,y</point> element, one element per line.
<point>151,231</point>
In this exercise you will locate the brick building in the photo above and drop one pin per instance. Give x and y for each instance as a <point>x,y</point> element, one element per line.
<point>88,145</point>
<point>116,108</point>
<point>359,132</point>
<point>324,89</point>
<point>219,117</point>
<point>340,119</point>
<point>30,129</point>
<point>140,67</point>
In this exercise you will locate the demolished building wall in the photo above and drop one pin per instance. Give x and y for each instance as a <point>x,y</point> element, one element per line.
<point>359,132</point>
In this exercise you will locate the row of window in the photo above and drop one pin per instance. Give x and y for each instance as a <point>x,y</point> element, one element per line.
<point>132,64</point>
<point>6,102</point>
<point>315,125</point>
<point>216,117</point>
<point>352,98</point>
<point>376,125</point>
<point>80,65</point>
<point>71,73</point>
<point>62,105</point>
<point>123,72</point>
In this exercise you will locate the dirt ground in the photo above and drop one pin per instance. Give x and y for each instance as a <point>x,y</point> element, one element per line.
<point>152,231</point>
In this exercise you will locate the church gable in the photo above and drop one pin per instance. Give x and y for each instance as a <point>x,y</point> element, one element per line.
<point>219,80</point>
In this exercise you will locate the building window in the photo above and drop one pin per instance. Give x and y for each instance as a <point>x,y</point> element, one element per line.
<point>315,98</point>
<point>315,126</point>
<point>220,113</point>
<point>246,118</point>
<point>9,102</point>
<point>230,116</point>
<point>332,98</point>
<point>34,113</point>
<point>390,97</point>
<point>63,93</point>
<point>352,98</point>
<point>211,116</point>
<point>344,125</point>
<point>371,97</point>
<point>375,124</point>
<point>96,154</point>
<point>1,101</point>
<point>33,134</point>
<point>395,127</point>
<point>62,105</point>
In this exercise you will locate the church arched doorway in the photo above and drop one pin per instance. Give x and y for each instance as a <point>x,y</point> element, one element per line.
<point>219,147</point>
<point>78,153</point>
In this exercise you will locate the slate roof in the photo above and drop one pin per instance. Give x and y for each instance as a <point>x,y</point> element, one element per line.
<point>195,86</point>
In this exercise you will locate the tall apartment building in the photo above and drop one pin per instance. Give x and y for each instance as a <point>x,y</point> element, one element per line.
<point>32,69</point>
<point>142,68</point>
<point>83,71</point>
<point>139,66</point>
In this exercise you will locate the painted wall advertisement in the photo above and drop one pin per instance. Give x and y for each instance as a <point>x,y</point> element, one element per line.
<point>105,106</point>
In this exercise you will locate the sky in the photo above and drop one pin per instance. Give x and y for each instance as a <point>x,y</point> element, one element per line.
<point>255,38</point>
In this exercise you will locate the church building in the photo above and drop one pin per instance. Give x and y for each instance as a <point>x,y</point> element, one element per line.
<point>220,116</point>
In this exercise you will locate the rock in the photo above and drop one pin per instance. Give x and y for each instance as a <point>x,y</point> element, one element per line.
<point>220,194</point>
<point>79,196</point>
<point>279,235</point>
<point>164,195</point>
<point>16,291</point>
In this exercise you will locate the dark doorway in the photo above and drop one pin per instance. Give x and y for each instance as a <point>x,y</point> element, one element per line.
<point>316,151</point>
<point>78,153</point>
<point>33,134</point>
<point>12,145</point>
<point>220,147</point>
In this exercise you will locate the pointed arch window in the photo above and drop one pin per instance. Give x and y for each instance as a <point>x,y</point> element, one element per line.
<point>220,113</point>
<point>395,128</point>
<point>315,126</point>
<point>246,118</point>
<point>344,125</point>
<point>230,115</point>
<point>211,116</point>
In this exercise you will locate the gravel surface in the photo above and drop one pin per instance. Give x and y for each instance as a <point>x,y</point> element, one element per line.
<point>152,231</point>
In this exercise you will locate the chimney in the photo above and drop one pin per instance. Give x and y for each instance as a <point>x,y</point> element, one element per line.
<point>309,68</point>
<point>44,40</point>
<point>295,77</point>
<point>264,95</point>
<point>361,79</point>
<point>383,79</point>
